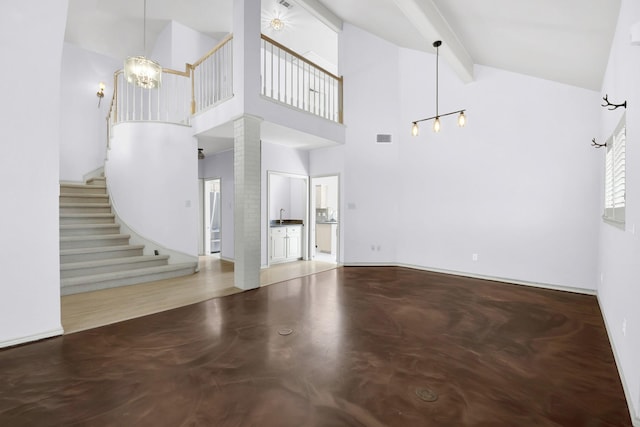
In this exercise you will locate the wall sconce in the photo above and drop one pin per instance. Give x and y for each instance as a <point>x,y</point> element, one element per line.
<point>100,93</point>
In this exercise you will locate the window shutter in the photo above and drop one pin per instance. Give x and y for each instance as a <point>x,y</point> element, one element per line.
<point>615,174</point>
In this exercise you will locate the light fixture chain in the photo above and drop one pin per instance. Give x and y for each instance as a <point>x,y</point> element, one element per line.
<point>144,29</point>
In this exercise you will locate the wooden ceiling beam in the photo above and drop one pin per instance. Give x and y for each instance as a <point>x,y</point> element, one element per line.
<point>427,19</point>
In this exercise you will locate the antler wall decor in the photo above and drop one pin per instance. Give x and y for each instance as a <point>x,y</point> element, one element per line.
<point>609,106</point>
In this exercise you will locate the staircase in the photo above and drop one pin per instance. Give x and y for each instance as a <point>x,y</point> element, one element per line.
<point>93,253</point>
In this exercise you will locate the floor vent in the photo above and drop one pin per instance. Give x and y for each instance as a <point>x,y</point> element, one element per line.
<point>383,138</point>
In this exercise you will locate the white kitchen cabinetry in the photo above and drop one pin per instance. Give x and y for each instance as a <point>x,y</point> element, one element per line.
<point>286,243</point>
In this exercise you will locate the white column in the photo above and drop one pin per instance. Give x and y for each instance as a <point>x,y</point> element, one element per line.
<point>246,170</point>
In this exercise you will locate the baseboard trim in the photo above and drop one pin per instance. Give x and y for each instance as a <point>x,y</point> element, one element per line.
<point>477,276</point>
<point>635,420</point>
<point>30,338</point>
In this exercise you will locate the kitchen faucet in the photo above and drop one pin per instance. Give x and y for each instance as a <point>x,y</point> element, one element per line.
<point>281,212</point>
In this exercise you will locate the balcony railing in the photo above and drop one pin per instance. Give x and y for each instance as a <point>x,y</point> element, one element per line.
<point>287,77</point>
<point>290,78</point>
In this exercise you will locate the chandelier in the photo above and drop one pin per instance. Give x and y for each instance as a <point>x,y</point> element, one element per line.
<point>462,119</point>
<point>140,70</point>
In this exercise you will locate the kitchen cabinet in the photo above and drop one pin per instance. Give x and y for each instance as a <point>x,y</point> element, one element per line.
<point>286,243</point>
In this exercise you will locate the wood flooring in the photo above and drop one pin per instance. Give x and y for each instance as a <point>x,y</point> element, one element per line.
<point>215,279</point>
<point>354,346</point>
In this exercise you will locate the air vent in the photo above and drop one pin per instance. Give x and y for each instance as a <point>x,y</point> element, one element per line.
<point>383,138</point>
<point>286,4</point>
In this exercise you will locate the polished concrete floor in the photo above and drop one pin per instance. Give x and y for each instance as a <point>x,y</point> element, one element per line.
<point>345,347</point>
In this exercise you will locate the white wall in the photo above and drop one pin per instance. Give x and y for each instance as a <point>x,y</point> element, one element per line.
<point>288,193</point>
<point>83,126</point>
<point>178,45</point>
<point>29,169</point>
<point>152,174</point>
<point>220,165</point>
<point>371,106</point>
<point>516,186</point>
<point>619,265</point>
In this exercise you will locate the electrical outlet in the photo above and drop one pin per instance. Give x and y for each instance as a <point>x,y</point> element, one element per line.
<point>624,327</point>
<point>601,278</point>
<point>474,257</point>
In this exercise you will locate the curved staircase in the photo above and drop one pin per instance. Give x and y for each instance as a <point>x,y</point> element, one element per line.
<point>93,253</point>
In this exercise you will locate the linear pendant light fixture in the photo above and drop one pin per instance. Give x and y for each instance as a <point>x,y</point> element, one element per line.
<point>462,119</point>
<point>140,70</point>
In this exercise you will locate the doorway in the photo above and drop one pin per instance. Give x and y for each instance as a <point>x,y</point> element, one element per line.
<point>287,200</point>
<point>324,240</point>
<point>212,217</point>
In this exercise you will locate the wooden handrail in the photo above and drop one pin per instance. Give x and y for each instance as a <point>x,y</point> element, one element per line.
<point>212,51</point>
<point>298,56</point>
<point>189,72</point>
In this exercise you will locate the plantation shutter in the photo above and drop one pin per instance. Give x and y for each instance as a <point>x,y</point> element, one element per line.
<point>615,175</point>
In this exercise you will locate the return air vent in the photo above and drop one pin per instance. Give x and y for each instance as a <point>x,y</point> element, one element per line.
<point>286,4</point>
<point>383,138</point>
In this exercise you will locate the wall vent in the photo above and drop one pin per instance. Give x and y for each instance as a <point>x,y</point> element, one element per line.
<point>383,138</point>
<point>285,3</point>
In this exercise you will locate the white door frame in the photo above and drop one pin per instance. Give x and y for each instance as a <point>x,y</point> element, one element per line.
<point>312,216</point>
<point>206,216</point>
<point>305,231</point>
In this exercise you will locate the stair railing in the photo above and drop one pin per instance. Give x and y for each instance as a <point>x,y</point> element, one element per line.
<point>181,94</point>
<point>212,76</point>
<point>290,78</point>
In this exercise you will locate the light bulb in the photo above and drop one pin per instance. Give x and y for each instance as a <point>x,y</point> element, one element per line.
<point>414,129</point>
<point>277,24</point>
<point>462,119</point>
<point>436,125</point>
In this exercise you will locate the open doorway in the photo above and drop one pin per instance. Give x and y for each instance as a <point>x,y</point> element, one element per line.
<point>212,217</point>
<point>325,225</point>
<point>288,213</point>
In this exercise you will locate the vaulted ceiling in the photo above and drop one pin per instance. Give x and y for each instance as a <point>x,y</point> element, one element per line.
<point>562,40</point>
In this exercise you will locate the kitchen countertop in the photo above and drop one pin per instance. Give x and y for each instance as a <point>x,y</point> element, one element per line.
<point>285,222</point>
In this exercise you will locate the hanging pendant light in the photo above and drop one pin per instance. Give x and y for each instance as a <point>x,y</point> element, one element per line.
<point>462,119</point>
<point>140,70</point>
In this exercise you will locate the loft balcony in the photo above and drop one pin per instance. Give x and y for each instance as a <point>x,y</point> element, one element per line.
<point>286,79</point>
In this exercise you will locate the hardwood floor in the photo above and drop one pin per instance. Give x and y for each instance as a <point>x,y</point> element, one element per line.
<point>215,279</point>
<point>368,347</point>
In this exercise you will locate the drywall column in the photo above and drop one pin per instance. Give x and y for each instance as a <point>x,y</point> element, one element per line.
<point>246,168</point>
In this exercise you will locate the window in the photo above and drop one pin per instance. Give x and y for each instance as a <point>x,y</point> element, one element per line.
<point>614,182</point>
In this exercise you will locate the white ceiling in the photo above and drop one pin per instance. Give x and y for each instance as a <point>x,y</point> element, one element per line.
<point>561,40</point>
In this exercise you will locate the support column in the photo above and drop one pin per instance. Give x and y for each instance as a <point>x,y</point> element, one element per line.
<point>246,170</point>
